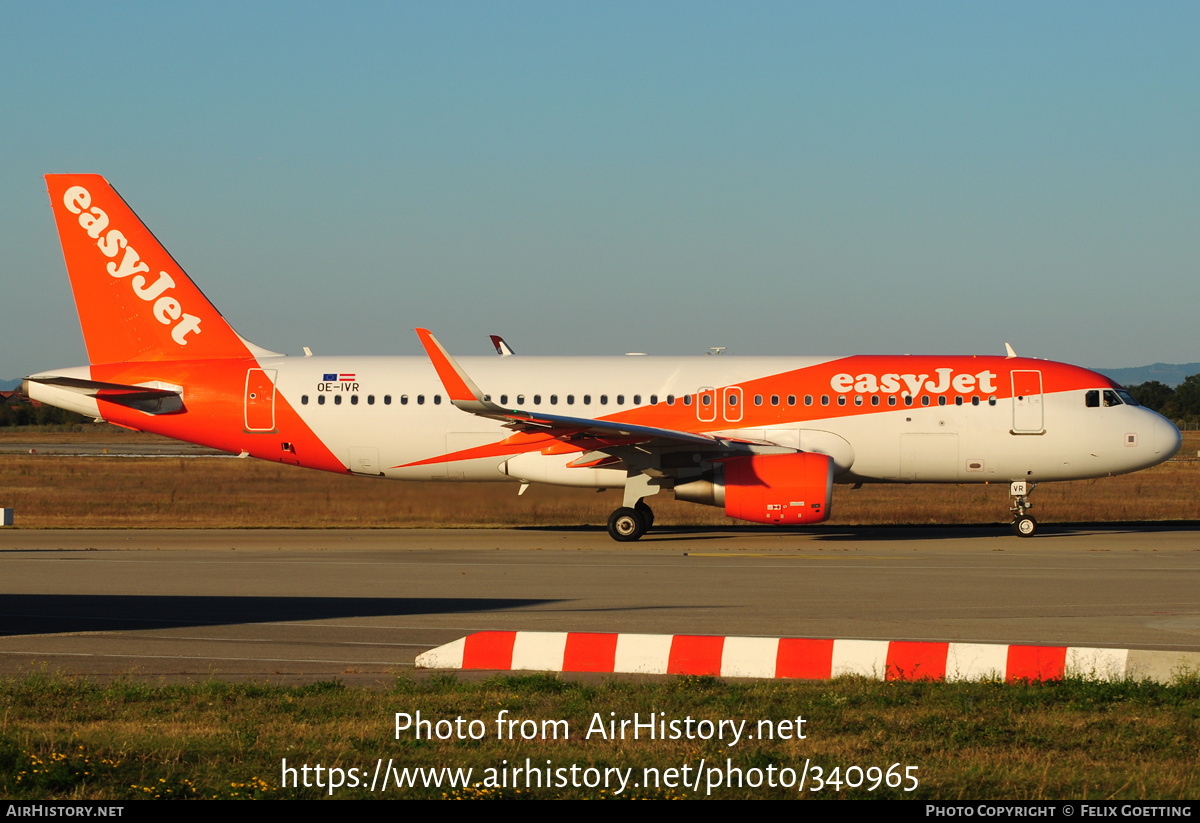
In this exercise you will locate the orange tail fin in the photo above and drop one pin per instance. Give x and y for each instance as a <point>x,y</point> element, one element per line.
<point>134,300</point>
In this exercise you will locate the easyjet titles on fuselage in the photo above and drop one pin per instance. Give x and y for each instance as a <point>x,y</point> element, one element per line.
<point>914,383</point>
<point>167,309</point>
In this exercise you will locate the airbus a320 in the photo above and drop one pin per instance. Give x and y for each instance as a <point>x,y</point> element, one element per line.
<point>764,438</point>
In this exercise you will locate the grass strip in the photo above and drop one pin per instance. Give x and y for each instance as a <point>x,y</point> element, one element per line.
<point>1072,739</point>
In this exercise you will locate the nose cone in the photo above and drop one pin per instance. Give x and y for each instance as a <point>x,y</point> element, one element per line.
<point>1167,439</point>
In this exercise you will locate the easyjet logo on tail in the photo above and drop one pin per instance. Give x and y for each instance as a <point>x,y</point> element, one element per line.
<point>166,309</point>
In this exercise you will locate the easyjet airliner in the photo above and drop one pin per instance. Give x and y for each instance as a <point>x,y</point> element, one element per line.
<point>765,438</point>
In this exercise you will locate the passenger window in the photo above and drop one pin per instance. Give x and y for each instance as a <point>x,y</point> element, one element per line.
<point>637,400</point>
<point>808,399</point>
<point>891,399</point>
<point>320,400</point>
<point>874,400</point>
<point>354,400</point>
<point>554,400</point>
<point>420,400</point>
<point>570,400</point>
<point>304,400</point>
<point>520,400</point>
<point>387,400</point>
<point>858,399</point>
<point>437,400</point>
<point>587,400</point>
<point>537,400</point>
<point>504,400</point>
<point>620,400</point>
<point>974,400</point>
<point>774,400</point>
<point>731,399</point>
<point>758,399</point>
<point>841,399</point>
<point>337,400</point>
<point>791,399</point>
<point>908,400</point>
<point>824,400</point>
<point>941,399</point>
<point>670,400</point>
<point>958,400</point>
<point>687,400</point>
<point>370,400</point>
<point>654,400</point>
<point>924,400</point>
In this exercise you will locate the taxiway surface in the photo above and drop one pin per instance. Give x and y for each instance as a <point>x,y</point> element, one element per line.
<point>292,605</point>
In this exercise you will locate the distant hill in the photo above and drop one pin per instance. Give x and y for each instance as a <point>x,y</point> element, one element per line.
<point>10,385</point>
<point>1171,374</point>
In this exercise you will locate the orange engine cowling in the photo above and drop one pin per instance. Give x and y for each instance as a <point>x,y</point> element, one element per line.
<point>779,488</point>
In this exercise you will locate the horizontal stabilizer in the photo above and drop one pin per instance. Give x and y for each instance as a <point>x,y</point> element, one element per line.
<point>152,398</point>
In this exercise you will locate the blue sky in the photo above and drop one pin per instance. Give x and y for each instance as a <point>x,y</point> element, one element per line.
<point>592,178</point>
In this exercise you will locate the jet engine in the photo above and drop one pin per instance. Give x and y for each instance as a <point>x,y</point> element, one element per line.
<point>770,488</point>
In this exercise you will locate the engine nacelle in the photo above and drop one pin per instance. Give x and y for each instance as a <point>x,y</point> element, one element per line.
<point>768,488</point>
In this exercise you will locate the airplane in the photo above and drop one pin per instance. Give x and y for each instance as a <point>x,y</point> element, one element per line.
<point>764,438</point>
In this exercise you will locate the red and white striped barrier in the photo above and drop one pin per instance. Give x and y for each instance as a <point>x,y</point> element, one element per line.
<point>772,657</point>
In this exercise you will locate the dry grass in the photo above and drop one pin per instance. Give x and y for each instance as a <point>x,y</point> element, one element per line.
<point>93,492</point>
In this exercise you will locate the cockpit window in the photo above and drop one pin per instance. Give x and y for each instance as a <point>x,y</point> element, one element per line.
<point>1094,398</point>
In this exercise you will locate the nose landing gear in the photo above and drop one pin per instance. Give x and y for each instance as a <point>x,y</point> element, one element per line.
<point>1023,524</point>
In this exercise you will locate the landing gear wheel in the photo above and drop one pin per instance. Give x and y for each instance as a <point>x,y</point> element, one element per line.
<point>1024,526</point>
<point>626,525</point>
<point>647,515</point>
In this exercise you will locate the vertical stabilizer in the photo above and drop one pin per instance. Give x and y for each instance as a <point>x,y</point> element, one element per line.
<point>134,300</point>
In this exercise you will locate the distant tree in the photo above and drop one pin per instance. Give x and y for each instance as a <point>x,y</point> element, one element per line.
<point>1187,395</point>
<point>20,412</point>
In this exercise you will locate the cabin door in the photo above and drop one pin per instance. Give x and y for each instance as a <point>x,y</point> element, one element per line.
<point>1028,416</point>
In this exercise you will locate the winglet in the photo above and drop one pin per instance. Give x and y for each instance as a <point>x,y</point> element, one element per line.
<point>1010,354</point>
<point>461,389</point>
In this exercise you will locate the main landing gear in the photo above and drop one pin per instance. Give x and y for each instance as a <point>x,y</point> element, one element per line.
<point>1023,524</point>
<point>628,524</point>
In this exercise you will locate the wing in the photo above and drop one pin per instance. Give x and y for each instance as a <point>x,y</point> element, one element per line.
<point>614,434</point>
